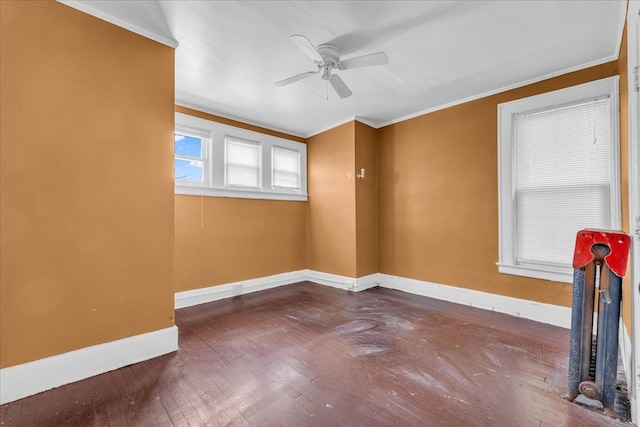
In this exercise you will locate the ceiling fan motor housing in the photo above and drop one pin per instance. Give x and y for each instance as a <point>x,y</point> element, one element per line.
<point>330,57</point>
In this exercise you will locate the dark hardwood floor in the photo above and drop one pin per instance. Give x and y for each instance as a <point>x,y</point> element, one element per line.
<point>309,355</point>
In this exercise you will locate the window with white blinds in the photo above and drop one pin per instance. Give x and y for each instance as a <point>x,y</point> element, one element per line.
<point>285,165</point>
<point>559,174</point>
<point>212,159</point>
<point>242,163</point>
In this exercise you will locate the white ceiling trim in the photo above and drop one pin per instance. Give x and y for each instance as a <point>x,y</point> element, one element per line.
<point>409,116</point>
<point>100,14</point>
<point>500,90</point>
<point>235,118</point>
<point>206,58</point>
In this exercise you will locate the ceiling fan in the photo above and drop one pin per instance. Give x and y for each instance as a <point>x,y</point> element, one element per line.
<point>327,59</point>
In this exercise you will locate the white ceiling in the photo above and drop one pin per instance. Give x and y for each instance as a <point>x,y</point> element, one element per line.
<point>230,53</point>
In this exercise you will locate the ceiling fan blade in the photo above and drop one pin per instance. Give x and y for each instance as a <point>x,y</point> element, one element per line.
<point>378,58</point>
<point>295,78</point>
<point>340,86</point>
<point>305,45</point>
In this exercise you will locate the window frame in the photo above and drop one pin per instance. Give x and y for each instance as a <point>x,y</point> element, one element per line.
<point>232,139</point>
<point>507,111</point>
<point>204,151</point>
<point>278,147</point>
<point>214,184</point>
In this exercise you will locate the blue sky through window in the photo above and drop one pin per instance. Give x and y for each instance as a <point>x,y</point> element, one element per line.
<point>188,169</point>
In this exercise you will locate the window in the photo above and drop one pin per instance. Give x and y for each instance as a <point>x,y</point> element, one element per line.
<point>286,168</point>
<point>241,163</point>
<point>212,159</point>
<point>558,173</point>
<point>188,157</point>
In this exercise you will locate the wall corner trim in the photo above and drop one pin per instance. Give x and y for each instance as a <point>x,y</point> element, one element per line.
<point>540,312</point>
<point>19,381</point>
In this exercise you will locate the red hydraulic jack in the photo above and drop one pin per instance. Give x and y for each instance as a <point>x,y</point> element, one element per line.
<point>599,261</point>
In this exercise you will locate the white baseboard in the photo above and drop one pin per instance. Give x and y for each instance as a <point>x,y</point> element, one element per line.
<point>328,279</point>
<point>343,282</point>
<point>540,312</point>
<point>228,290</point>
<point>17,382</point>
<point>544,313</point>
<point>368,282</point>
<point>34,377</point>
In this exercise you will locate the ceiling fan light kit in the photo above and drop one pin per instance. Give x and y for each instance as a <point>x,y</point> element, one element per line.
<point>327,58</point>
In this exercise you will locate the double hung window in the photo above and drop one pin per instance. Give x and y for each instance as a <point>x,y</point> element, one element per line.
<point>189,156</point>
<point>558,173</point>
<point>285,164</point>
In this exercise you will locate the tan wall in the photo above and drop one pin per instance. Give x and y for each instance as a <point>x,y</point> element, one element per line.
<point>366,140</point>
<point>331,214</point>
<point>221,240</point>
<point>230,122</point>
<point>86,213</point>
<point>438,196</point>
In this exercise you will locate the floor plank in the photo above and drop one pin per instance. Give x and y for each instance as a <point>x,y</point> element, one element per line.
<point>308,355</point>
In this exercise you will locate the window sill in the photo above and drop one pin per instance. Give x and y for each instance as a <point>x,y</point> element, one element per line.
<point>238,194</point>
<point>549,273</point>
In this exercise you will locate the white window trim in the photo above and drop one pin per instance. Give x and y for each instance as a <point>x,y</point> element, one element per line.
<point>204,137</point>
<point>214,173</point>
<point>506,203</point>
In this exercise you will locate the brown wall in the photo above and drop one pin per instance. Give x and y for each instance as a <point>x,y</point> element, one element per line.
<point>230,122</point>
<point>366,140</point>
<point>86,213</point>
<point>221,240</point>
<point>438,196</point>
<point>331,214</point>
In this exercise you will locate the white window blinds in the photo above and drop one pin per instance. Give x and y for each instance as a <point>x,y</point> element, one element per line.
<point>286,168</point>
<point>242,163</point>
<point>562,179</point>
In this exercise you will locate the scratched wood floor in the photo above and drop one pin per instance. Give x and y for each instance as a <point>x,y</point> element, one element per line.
<point>309,355</point>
